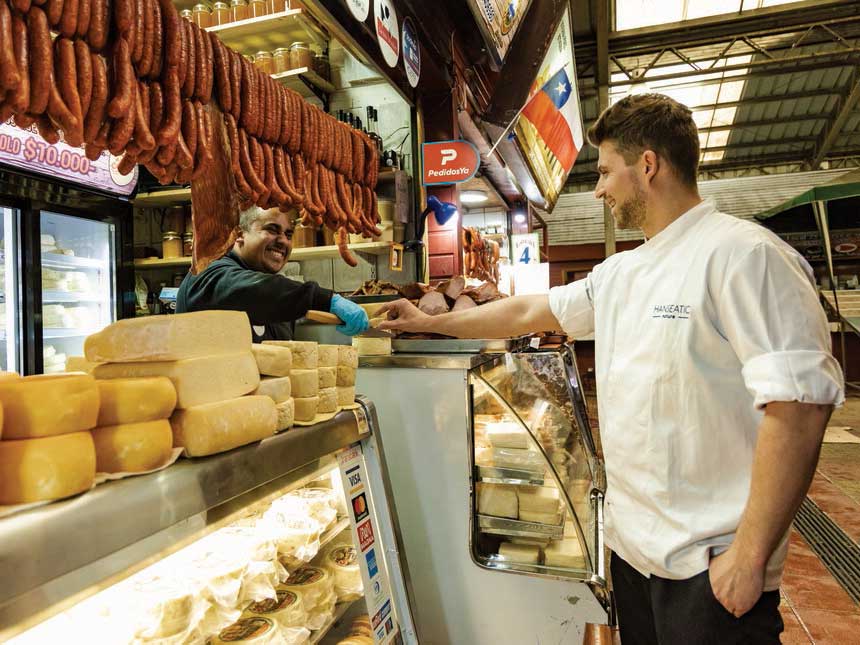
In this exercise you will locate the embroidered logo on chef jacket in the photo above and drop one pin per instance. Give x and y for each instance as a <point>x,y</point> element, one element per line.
<point>675,312</point>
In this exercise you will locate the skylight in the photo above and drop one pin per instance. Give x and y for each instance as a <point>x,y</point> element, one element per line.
<point>631,14</point>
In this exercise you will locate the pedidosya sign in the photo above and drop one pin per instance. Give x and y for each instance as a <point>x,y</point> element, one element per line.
<point>449,162</point>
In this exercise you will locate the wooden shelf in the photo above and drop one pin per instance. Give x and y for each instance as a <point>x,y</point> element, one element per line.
<point>268,33</point>
<point>298,255</point>
<point>293,80</point>
<point>162,198</point>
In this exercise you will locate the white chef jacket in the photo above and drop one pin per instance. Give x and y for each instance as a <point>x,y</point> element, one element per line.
<point>695,331</point>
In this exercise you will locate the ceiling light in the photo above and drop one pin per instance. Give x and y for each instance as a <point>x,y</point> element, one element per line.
<point>473,196</point>
<point>520,218</point>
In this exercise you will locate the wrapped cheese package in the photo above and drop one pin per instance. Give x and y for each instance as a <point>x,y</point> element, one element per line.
<point>318,503</point>
<point>498,500</point>
<point>297,536</point>
<point>287,608</point>
<point>316,586</point>
<point>341,560</point>
<point>520,553</point>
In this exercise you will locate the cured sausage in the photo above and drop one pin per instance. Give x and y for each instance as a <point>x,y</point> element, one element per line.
<point>171,42</point>
<point>9,74</point>
<point>222,74</point>
<point>46,129</point>
<point>189,127</point>
<point>84,67</point>
<point>247,96</point>
<point>157,41</point>
<point>137,36</point>
<point>199,62</point>
<point>65,75</point>
<point>19,98</point>
<point>41,60</point>
<point>98,102</point>
<point>167,153</point>
<point>22,120</point>
<point>122,128</point>
<point>259,166</point>
<point>256,186</point>
<point>99,24</point>
<point>127,163</point>
<point>21,5</point>
<point>123,80</point>
<point>208,68</point>
<point>190,60</point>
<point>123,15</point>
<point>172,109</point>
<point>184,159</point>
<point>277,194</point>
<point>54,12</point>
<point>144,66</point>
<point>236,84</point>
<point>235,164</point>
<point>84,16</point>
<point>142,134</point>
<point>156,107</point>
<point>283,173</point>
<point>343,247</point>
<point>69,20</point>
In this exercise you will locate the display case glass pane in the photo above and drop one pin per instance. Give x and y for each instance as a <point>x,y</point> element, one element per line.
<point>9,303</point>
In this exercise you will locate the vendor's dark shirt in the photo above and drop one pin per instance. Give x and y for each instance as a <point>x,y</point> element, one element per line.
<point>272,301</point>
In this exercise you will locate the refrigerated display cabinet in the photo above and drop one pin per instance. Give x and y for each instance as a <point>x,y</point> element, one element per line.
<point>121,564</point>
<point>9,302</point>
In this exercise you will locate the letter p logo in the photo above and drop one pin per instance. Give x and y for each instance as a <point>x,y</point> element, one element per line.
<point>448,154</point>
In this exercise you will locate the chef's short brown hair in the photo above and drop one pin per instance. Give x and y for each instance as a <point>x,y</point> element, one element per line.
<point>655,122</point>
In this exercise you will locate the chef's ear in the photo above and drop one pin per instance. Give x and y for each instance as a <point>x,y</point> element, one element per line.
<point>240,238</point>
<point>651,164</point>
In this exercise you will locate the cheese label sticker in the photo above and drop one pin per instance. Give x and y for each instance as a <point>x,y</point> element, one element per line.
<point>245,629</point>
<point>305,576</point>
<point>343,556</point>
<point>283,600</point>
<point>365,535</point>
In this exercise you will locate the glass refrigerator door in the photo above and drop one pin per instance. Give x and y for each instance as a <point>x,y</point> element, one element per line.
<point>9,355</point>
<point>78,286</point>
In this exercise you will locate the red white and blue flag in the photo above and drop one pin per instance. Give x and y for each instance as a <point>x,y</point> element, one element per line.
<point>555,116</point>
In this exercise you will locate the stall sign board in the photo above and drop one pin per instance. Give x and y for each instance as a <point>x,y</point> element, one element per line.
<point>449,162</point>
<point>387,30</point>
<point>27,150</point>
<point>844,242</point>
<point>526,248</point>
<point>360,9</point>
<point>362,519</point>
<point>498,21</point>
<point>549,129</point>
<point>411,53</point>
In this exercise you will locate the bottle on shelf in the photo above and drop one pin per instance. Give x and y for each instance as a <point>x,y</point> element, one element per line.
<point>371,129</point>
<point>379,144</point>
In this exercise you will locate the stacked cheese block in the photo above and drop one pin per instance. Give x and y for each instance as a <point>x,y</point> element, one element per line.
<point>275,365</point>
<point>207,357</point>
<point>347,363</point>
<point>540,504</point>
<point>304,377</point>
<point>47,450</point>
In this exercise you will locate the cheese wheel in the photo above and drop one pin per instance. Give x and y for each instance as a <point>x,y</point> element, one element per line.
<point>498,500</point>
<point>47,405</point>
<point>278,388</point>
<point>345,395</point>
<point>328,400</point>
<point>315,584</point>
<point>540,518</point>
<point>286,414</point>
<point>565,553</point>
<point>305,382</point>
<point>347,356</point>
<point>305,353</point>
<point>368,346</point>
<point>521,553</point>
<point>327,377</point>
<point>8,376</point>
<point>161,606</point>
<point>258,630</point>
<point>33,470</point>
<point>133,447</point>
<point>345,375</point>
<point>306,407</point>
<point>200,380</point>
<point>216,427</point>
<point>327,355</point>
<point>287,608</point>
<point>273,360</point>
<point>135,400</point>
<point>79,364</point>
<point>170,338</point>
<point>342,562</point>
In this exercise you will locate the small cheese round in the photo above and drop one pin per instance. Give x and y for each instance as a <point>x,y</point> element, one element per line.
<point>133,447</point>
<point>286,414</point>
<point>254,629</point>
<point>345,375</point>
<point>135,400</point>
<point>277,388</point>
<point>347,356</point>
<point>305,382</point>
<point>273,360</point>
<point>328,377</point>
<point>328,400</point>
<point>316,586</point>
<point>342,562</point>
<point>47,405</point>
<point>287,608</point>
<point>306,408</point>
<point>346,395</point>
<point>33,470</point>
<point>305,353</point>
<point>328,355</point>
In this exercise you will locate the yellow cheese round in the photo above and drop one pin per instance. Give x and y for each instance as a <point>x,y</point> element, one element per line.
<point>327,355</point>
<point>315,585</point>
<point>305,382</point>
<point>328,377</point>
<point>216,427</point>
<point>286,414</point>
<point>286,609</point>
<point>305,353</point>
<point>328,400</point>
<point>278,388</point>
<point>80,364</point>
<point>254,629</point>
<point>33,470</point>
<point>345,395</point>
<point>345,375</point>
<point>306,407</point>
<point>273,360</point>
<point>135,400</point>
<point>133,447</point>
<point>47,405</point>
<point>347,356</point>
<point>9,376</point>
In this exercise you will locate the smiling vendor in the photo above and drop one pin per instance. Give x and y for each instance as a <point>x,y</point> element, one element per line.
<point>248,279</point>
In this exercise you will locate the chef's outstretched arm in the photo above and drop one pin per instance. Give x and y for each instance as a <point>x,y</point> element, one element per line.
<point>500,319</point>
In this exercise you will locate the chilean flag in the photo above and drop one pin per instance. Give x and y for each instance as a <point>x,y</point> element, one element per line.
<point>555,117</point>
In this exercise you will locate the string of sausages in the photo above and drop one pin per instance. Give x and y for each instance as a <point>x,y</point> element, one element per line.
<point>134,78</point>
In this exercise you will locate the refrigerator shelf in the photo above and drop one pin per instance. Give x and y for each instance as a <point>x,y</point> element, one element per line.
<point>60,332</point>
<point>69,296</point>
<point>514,476</point>
<point>57,261</point>
<point>516,528</point>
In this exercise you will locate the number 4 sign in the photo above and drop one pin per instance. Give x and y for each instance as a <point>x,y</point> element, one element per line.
<point>526,248</point>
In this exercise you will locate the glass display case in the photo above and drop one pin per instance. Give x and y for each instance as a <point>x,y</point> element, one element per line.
<point>9,303</point>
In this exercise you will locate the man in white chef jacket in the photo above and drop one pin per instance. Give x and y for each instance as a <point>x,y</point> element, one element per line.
<point>715,384</point>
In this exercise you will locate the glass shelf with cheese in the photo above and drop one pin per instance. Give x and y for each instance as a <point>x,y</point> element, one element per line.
<point>538,500</point>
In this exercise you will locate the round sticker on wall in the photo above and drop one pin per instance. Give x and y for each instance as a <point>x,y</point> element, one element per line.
<point>359,8</point>
<point>387,30</point>
<point>411,52</point>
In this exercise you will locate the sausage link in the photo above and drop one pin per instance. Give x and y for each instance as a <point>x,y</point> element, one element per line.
<point>85,9</point>
<point>23,6</point>
<point>123,127</point>
<point>99,24</point>
<point>171,42</point>
<point>142,134</point>
<point>222,74</point>
<point>191,59</point>
<point>251,176</point>
<point>19,98</point>
<point>157,41</point>
<point>297,178</point>
<point>199,62</point>
<point>123,16</point>
<point>84,67</point>
<point>65,74</point>
<point>184,159</point>
<point>343,247</point>
<point>54,12</point>
<point>278,195</point>
<point>69,20</point>
<point>284,118</point>
<point>123,80</point>
<point>22,119</point>
<point>93,152</point>
<point>127,163</point>
<point>172,109</point>
<point>235,164</point>
<point>236,84</point>
<point>144,65</point>
<point>10,76</point>
<point>280,166</point>
<point>208,68</point>
<point>139,32</point>
<point>156,106</point>
<point>46,129</point>
<point>259,166</point>
<point>97,111</point>
<point>189,127</point>
<point>167,153</point>
<point>247,93</point>
<point>41,60</point>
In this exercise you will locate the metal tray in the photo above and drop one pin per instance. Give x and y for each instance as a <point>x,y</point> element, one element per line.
<point>516,528</point>
<point>514,476</point>
<point>458,345</point>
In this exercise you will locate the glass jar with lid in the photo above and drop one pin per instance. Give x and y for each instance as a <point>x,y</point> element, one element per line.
<point>239,10</point>
<point>186,13</point>
<point>171,245</point>
<point>258,8</point>
<point>321,66</point>
<point>202,16</point>
<point>300,55</point>
<point>264,62</point>
<point>277,6</point>
<point>221,13</point>
<point>187,244</point>
<point>281,57</point>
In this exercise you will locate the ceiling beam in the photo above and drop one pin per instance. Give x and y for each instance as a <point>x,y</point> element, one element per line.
<point>831,134</point>
<point>737,125</point>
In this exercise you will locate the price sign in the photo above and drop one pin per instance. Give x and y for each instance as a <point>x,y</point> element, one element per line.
<point>526,248</point>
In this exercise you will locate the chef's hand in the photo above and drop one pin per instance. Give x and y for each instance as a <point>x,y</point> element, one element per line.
<point>736,581</point>
<point>354,317</point>
<point>402,316</point>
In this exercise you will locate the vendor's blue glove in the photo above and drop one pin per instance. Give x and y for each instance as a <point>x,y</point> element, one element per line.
<point>354,317</point>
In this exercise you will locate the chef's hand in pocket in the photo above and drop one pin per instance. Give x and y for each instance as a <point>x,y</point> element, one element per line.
<point>737,582</point>
<point>354,317</point>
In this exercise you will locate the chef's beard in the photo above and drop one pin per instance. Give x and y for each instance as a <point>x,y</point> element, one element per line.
<point>631,213</point>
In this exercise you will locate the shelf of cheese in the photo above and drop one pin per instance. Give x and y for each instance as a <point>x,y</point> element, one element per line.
<point>267,33</point>
<point>51,296</point>
<point>58,261</point>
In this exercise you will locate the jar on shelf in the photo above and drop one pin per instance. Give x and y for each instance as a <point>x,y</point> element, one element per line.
<point>171,245</point>
<point>281,57</point>
<point>187,14</point>
<point>221,14</point>
<point>264,62</point>
<point>239,10</point>
<point>304,237</point>
<point>187,244</point>
<point>300,55</point>
<point>258,8</point>
<point>277,6</point>
<point>321,66</point>
<point>202,16</point>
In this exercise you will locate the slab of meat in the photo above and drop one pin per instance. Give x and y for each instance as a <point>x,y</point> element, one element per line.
<point>484,293</point>
<point>463,302</point>
<point>413,290</point>
<point>452,288</point>
<point>433,303</point>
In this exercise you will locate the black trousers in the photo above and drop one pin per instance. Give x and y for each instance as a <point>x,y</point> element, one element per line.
<point>657,611</point>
